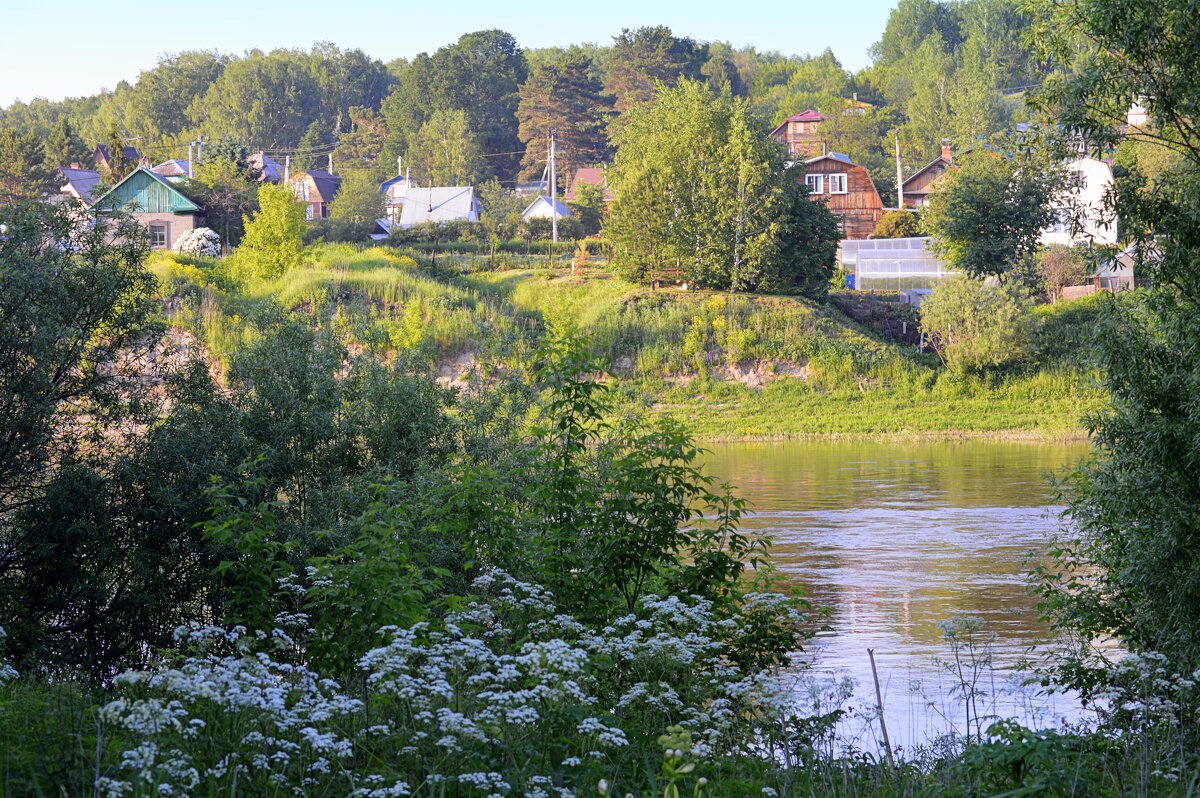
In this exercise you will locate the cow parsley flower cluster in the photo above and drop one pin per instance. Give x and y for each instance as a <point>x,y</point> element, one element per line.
<point>200,241</point>
<point>508,678</point>
<point>7,672</point>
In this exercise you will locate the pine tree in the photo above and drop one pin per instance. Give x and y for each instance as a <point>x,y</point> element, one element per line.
<point>63,147</point>
<point>563,95</point>
<point>24,174</point>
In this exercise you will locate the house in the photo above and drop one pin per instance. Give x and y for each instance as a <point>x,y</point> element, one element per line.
<point>317,188</point>
<point>545,208</point>
<point>157,203</point>
<point>1091,179</point>
<point>393,191</point>
<point>591,176</point>
<point>79,182</point>
<point>438,205</point>
<point>104,159</point>
<point>801,135</point>
<point>269,171</point>
<point>848,191</point>
<point>921,184</point>
<point>173,169</point>
<point>804,133</point>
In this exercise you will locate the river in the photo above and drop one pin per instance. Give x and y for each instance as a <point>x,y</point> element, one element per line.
<point>895,539</point>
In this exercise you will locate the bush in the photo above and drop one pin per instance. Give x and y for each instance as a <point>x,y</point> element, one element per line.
<point>899,224</point>
<point>977,326</point>
<point>200,241</point>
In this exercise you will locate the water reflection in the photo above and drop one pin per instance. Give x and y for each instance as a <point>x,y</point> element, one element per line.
<point>896,537</point>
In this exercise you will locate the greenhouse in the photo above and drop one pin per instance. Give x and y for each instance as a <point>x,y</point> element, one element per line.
<point>892,264</point>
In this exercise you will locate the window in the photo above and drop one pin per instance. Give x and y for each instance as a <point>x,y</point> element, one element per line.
<point>815,183</point>
<point>841,221</point>
<point>158,235</point>
<point>837,183</point>
<point>308,212</point>
<point>1062,221</point>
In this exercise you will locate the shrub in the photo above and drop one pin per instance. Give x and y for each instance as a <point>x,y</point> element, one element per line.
<point>898,224</point>
<point>200,241</point>
<point>978,326</point>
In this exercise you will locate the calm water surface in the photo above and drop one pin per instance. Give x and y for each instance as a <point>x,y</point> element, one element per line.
<point>894,538</point>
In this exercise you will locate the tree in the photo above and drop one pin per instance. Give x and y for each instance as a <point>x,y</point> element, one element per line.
<point>644,57</point>
<point>446,151</point>
<point>700,188</point>
<point>588,207</point>
<point>24,174</point>
<point>1128,567</point>
<point>358,202</point>
<point>63,147</point>
<point>562,94</point>
<point>156,107</point>
<point>898,224</point>
<point>361,146</point>
<point>227,188</point>
<point>976,326</point>
<point>274,239</point>
<point>500,214</point>
<point>1059,267</point>
<point>480,75</point>
<point>987,215</point>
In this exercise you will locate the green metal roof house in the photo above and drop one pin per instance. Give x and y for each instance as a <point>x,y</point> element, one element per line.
<point>155,202</point>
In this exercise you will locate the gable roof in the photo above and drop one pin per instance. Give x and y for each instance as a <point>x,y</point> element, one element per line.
<point>271,170</point>
<point>325,184</point>
<point>131,153</point>
<point>172,168</point>
<point>588,175</point>
<point>147,192</point>
<point>834,156</point>
<point>386,184</point>
<point>542,208</point>
<point>80,182</point>
<point>438,204</point>
<point>804,116</point>
<point>938,161</point>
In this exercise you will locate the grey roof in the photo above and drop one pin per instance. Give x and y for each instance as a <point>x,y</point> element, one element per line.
<point>438,204</point>
<point>172,168</point>
<point>540,209</point>
<point>326,184</point>
<point>80,182</point>
<point>130,152</point>
<point>272,171</point>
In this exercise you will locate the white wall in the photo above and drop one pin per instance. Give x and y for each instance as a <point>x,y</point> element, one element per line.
<point>1097,177</point>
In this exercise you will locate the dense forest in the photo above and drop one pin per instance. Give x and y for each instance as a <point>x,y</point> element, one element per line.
<point>942,70</point>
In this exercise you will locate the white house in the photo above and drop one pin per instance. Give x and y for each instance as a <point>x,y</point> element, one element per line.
<point>438,204</point>
<point>1092,178</point>
<point>544,208</point>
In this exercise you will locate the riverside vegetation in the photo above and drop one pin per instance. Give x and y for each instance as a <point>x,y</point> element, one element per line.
<point>299,563</point>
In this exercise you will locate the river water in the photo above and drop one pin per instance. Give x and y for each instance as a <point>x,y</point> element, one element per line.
<point>895,539</point>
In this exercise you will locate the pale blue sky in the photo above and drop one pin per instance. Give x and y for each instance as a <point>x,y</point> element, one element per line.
<point>61,48</point>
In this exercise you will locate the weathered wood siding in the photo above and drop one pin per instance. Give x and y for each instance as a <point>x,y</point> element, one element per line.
<point>860,207</point>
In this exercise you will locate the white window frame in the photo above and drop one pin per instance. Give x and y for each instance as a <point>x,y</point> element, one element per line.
<point>815,183</point>
<point>833,180</point>
<point>166,235</point>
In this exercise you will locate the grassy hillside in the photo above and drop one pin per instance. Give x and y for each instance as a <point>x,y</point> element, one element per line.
<point>733,366</point>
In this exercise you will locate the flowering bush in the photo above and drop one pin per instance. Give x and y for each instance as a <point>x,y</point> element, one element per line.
<point>7,672</point>
<point>505,697</point>
<point>199,241</point>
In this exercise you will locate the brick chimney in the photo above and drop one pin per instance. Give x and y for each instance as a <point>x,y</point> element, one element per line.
<point>946,152</point>
<point>74,165</point>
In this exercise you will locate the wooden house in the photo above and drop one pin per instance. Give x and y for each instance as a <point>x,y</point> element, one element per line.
<point>104,159</point>
<point>801,134</point>
<point>316,188</point>
<point>155,202</point>
<point>592,176</point>
<point>922,183</point>
<point>848,191</point>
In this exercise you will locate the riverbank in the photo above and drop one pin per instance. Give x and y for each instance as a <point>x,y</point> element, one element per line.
<point>732,367</point>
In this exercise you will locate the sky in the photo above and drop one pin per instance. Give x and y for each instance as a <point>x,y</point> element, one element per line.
<point>68,48</point>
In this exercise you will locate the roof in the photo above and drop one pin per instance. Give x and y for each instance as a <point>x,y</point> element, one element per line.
<point>172,168</point>
<point>387,184</point>
<point>80,182</point>
<point>541,207</point>
<point>130,152</point>
<point>148,191</point>
<point>935,162</point>
<point>836,156</point>
<point>592,176</point>
<point>271,170</point>
<point>439,205</point>
<point>804,116</point>
<point>325,183</point>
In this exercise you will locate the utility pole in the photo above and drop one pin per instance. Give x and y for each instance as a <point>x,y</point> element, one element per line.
<point>287,168</point>
<point>331,163</point>
<point>400,165</point>
<point>899,175</point>
<point>200,149</point>
<point>553,193</point>
<point>191,144</point>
